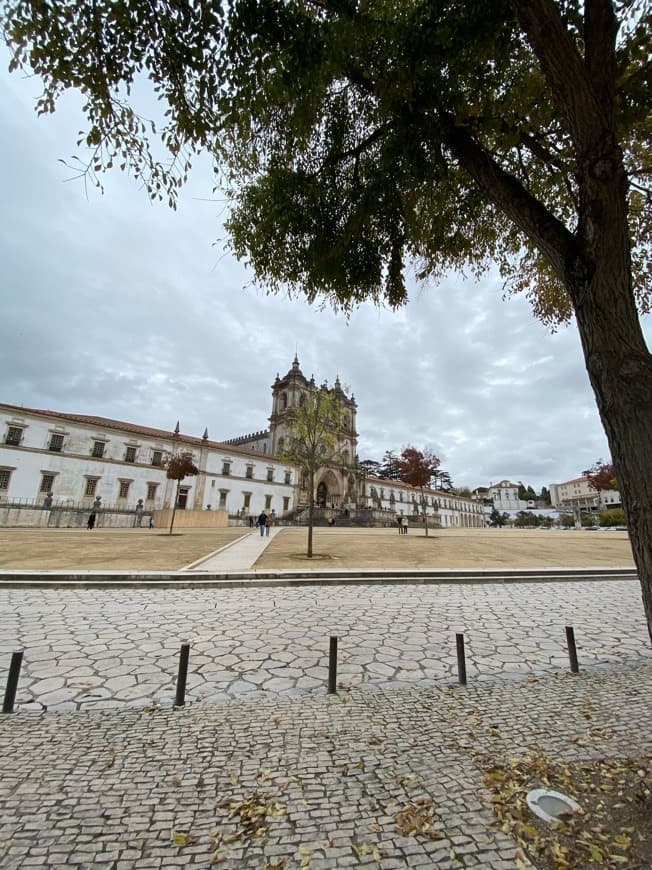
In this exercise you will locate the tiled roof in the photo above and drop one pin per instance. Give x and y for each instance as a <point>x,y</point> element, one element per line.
<point>133,428</point>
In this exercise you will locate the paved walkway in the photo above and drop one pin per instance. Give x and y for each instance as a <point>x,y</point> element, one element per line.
<point>241,555</point>
<point>331,776</point>
<point>106,648</point>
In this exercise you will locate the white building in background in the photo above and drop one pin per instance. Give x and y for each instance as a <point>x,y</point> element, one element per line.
<point>580,493</point>
<point>76,459</point>
<point>504,496</point>
<point>399,499</point>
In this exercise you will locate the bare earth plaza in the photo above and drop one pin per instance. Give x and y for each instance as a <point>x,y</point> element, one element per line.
<point>403,766</point>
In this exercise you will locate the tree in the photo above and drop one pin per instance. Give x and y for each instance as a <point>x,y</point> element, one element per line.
<point>314,429</point>
<point>463,492</point>
<point>416,467</point>
<point>615,517</point>
<point>498,519</point>
<point>442,480</point>
<point>178,466</point>
<point>355,137</point>
<point>389,466</point>
<point>370,467</point>
<point>602,475</point>
<point>545,495</point>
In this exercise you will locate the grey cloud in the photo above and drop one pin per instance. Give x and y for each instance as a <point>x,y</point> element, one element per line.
<point>115,306</point>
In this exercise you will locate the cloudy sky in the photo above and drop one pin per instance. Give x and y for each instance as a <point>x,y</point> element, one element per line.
<point>117,307</point>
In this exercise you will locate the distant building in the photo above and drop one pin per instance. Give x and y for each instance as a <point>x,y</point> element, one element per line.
<point>504,496</point>
<point>580,493</point>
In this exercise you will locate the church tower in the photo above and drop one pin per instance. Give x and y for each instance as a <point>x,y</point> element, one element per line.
<point>336,483</point>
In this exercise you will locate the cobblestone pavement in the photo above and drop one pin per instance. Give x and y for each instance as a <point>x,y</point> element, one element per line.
<point>97,649</point>
<point>168,788</point>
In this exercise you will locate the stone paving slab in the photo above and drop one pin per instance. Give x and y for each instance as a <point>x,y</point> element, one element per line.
<point>134,789</point>
<point>104,648</point>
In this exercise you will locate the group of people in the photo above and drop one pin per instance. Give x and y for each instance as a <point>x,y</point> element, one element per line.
<point>402,523</point>
<point>264,522</point>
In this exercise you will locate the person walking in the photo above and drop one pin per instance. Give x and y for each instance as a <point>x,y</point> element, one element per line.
<point>261,521</point>
<point>404,525</point>
<point>91,521</point>
<point>269,522</point>
<point>398,523</point>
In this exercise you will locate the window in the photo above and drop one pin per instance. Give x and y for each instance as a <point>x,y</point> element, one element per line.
<point>226,468</point>
<point>56,442</point>
<point>284,401</point>
<point>130,454</point>
<point>223,495</point>
<point>288,477</point>
<point>14,435</point>
<point>123,491</point>
<point>247,500</point>
<point>157,457</point>
<point>91,485</point>
<point>98,449</point>
<point>47,482</point>
<point>286,502</point>
<point>281,443</point>
<point>182,501</point>
<point>270,474</point>
<point>151,491</point>
<point>268,502</point>
<point>250,472</point>
<point>5,477</point>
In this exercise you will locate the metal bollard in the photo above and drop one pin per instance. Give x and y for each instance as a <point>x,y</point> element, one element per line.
<point>572,650</point>
<point>12,681</point>
<point>184,654</point>
<point>461,662</point>
<point>332,667</point>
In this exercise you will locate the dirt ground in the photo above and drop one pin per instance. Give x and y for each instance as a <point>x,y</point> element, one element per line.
<point>450,548</point>
<point>145,549</point>
<point>109,549</point>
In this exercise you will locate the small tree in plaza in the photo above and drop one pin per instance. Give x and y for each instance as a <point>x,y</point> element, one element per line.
<point>416,468</point>
<point>315,427</point>
<point>178,466</point>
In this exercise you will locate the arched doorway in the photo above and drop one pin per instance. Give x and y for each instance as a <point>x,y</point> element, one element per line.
<point>329,491</point>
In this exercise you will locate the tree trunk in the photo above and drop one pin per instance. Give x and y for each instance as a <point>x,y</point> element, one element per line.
<point>620,370</point>
<point>425,512</point>
<point>174,506</point>
<point>311,511</point>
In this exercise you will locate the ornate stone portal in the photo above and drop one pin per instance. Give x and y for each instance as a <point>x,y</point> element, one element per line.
<point>338,484</point>
<point>335,483</point>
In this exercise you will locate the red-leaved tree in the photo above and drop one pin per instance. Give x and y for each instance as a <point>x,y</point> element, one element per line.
<point>602,475</point>
<point>416,468</point>
<point>178,466</point>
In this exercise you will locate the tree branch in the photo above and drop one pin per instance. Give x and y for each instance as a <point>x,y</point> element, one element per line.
<point>564,69</point>
<point>551,237</point>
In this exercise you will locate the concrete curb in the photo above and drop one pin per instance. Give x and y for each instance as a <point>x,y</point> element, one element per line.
<point>279,578</point>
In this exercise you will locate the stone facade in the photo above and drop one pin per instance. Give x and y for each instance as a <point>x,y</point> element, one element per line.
<point>74,459</point>
<point>78,458</point>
